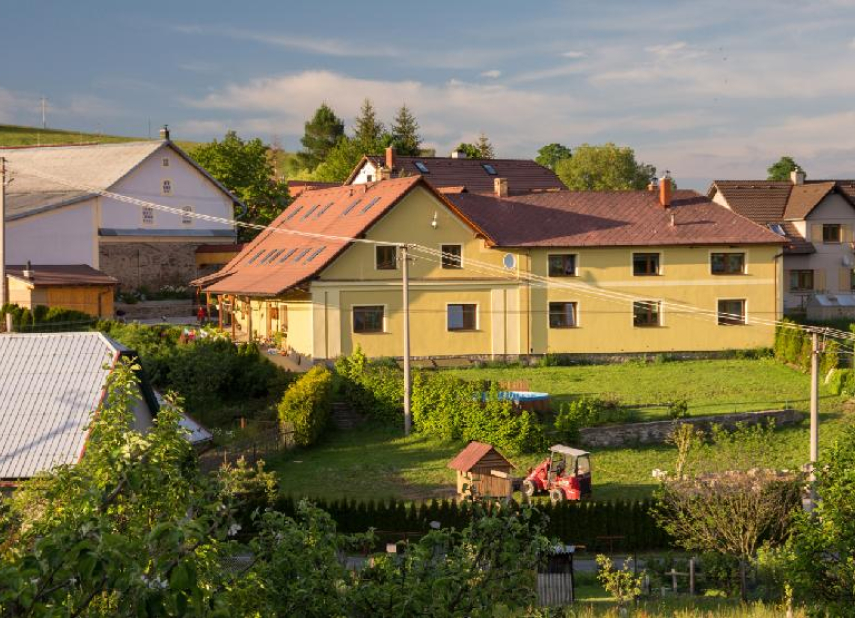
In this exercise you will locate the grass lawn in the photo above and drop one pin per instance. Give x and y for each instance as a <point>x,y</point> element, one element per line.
<point>378,462</point>
<point>13,135</point>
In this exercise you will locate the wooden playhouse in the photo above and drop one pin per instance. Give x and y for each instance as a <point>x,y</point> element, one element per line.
<point>483,471</point>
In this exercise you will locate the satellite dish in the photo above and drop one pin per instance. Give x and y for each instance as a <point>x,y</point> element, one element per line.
<point>510,260</point>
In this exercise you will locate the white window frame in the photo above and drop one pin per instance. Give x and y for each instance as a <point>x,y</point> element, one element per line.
<point>647,300</point>
<point>576,264</point>
<point>577,322</point>
<point>171,187</point>
<point>464,330</point>
<point>632,255</point>
<point>143,221</point>
<point>187,220</point>
<point>385,319</point>
<point>729,298</point>
<point>442,257</point>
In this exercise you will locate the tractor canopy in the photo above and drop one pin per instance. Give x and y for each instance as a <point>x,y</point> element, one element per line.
<point>566,450</point>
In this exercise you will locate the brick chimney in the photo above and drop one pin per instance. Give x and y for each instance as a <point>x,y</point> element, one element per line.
<point>500,187</point>
<point>390,158</point>
<point>797,176</point>
<point>458,154</point>
<point>384,173</point>
<point>164,132</point>
<point>665,190</point>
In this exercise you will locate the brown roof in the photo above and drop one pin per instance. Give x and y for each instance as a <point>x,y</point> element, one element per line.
<point>607,218</point>
<point>276,260</point>
<point>469,457</point>
<point>767,201</point>
<point>523,175</point>
<point>71,274</point>
<point>796,243</point>
<point>298,187</point>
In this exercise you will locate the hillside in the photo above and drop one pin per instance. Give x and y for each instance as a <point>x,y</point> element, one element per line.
<point>13,135</point>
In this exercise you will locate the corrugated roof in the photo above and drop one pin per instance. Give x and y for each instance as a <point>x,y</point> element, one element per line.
<point>523,175</point>
<point>276,261</point>
<point>73,274</point>
<point>49,386</point>
<point>607,218</point>
<point>469,457</point>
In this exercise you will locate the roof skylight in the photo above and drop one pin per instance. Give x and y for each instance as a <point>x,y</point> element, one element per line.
<point>316,254</point>
<point>324,209</point>
<point>293,212</point>
<point>351,207</point>
<point>421,167</point>
<point>302,254</point>
<point>310,211</point>
<point>369,205</point>
<point>777,228</point>
<point>255,257</point>
<point>287,255</point>
<point>489,169</point>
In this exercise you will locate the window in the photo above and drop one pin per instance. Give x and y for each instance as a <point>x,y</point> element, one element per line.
<point>801,280</point>
<point>462,317</point>
<point>645,313</point>
<point>310,211</point>
<point>293,212</point>
<point>731,312</point>
<point>255,257</point>
<point>368,206</point>
<point>727,263</point>
<point>351,207</point>
<point>831,233</point>
<point>316,254</point>
<point>147,215</point>
<point>187,215</point>
<point>777,228</point>
<point>452,256</point>
<point>369,178</point>
<point>562,315</point>
<point>368,319</point>
<point>164,162</point>
<point>489,169</point>
<point>562,265</point>
<point>166,187</point>
<point>422,167</point>
<point>644,264</point>
<point>386,257</point>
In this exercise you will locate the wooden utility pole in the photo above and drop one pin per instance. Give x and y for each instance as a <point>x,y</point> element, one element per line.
<point>408,416</point>
<point>4,297</point>
<point>814,420</point>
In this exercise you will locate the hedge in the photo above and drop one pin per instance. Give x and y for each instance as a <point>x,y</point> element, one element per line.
<point>306,405</point>
<point>42,318</point>
<point>793,346</point>
<point>373,388</point>
<point>585,523</point>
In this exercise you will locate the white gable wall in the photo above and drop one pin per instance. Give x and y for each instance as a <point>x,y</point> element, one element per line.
<point>63,236</point>
<point>189,188</point>
<point>368,173</point>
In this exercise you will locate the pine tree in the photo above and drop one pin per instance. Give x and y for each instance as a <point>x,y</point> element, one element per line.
<point>321,134</point>
<point>405,133</point>
<point>485,148</point>
<point>368,131</point>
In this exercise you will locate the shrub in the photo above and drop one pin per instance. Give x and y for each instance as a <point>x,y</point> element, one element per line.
<point>679,408</point>
<point>842,382</point>
<point>793,346</point>
<point>306,405</point>
<point>373,388</point>
<point>42,318</point>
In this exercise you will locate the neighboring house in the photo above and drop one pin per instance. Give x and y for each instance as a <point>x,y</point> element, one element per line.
<point>77,286</point>
<point>50,384</point>
<point>326,295</point>
<point>457,173</point>
<point>817,219</point>
<point>297,187</point>
<point>55,214</point>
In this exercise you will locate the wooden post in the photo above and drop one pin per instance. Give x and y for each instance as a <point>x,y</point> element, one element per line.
<point>673,575</point>
<point>219,312</point>
<point>692,576</point>
<point>233,306</point>
<point>248,319</point>
<point>814,417</point>
<point>408,417</point>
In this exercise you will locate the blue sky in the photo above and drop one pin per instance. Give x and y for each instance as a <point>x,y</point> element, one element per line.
<point>704,89</point>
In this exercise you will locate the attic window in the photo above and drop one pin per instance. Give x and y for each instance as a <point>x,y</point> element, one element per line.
<point>164,162</point>
<point>489,169</point>
<point>777,228</point>
<point>287,255</point>
<point>351,207</point>
<point>302,254</point>
<point>369,205</point>
<point>187,215</point>
<point>166,187</point>
<point>255,257</point>
<point>316,254</point>
<point>421,167</point>
<point>147,215</point>
<point>293,212</point>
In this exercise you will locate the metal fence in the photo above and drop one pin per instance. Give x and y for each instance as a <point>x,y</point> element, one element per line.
<point>255,441</point>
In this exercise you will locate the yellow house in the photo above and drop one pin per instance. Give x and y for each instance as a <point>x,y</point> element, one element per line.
<point>504,274</point>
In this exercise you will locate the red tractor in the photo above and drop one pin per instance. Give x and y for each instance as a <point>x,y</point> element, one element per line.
<point>565,474</point>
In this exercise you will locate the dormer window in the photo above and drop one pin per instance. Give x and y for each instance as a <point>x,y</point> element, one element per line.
<point>164,162</point>
<point>166,187</point>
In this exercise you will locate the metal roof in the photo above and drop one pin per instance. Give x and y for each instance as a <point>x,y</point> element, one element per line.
<point>566,450</point>
<point>49,386</point>
<point>474,452</point>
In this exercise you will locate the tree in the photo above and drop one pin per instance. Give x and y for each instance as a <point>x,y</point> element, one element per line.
<point>322,133</point>
<point>822,544</point>
<point>245,168</point>
<point>405,133</point>
<point>470,150</point>
<point>551,154</point>
<point>369,132</point>
<point>485,148</point>
<point>604,168</point>
<point>340,160</point>
<point>780,170</point>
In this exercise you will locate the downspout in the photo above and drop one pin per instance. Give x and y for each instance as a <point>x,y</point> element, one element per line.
<point>528,307</point>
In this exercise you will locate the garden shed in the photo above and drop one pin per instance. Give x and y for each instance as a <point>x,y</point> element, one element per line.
<point>483,469</point>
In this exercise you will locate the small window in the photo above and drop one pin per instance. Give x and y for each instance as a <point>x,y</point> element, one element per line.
<point>563,265</point>
<point>422,167</point>
<point>489,169</point>
<point>645,264</point>
<point>369,178</point>
<point>731,312</point>
<point>368,319</point>
<point>831,233</point>
<point>801,280</point>
<point>164,162</point>
<point>166,187</point>
<point>148,215</point>
<point>777,228</point>
<point>646,313</point>
<point>187,215</point>
<point>452,256</point>
<point>462,317</point>
<point>727,263</point>
<point>386,257</point>
<point>562,315</point>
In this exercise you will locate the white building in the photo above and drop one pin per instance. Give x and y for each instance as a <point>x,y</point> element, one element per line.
<point>56,214</point>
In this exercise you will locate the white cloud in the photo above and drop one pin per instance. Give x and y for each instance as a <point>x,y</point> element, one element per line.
<point>573,55</point>
<point>492,73</point>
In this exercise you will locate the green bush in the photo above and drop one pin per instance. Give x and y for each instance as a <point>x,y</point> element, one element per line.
<point>679,408</point>
<point>589,412</point>
<point>842,382</point>
<point>306,405</point>
<point>372,388</point>
<point>42,318</point>
<point>793,346</point>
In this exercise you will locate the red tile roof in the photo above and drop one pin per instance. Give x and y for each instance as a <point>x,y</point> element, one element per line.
<point>469,457</point>
<point>276,260</point>
<point>523,175</point>
<point>608,218</point>
<point>60,275</point>
<point>298,187</point>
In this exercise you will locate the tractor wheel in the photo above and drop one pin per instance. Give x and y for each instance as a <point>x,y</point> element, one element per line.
<point>556,496</point>
<point>529,488</point>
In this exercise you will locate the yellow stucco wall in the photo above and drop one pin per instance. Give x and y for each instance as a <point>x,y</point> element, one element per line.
<point>97,301</point>
<point>513,315</point>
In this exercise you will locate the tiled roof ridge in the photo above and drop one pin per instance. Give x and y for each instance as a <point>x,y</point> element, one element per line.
<point>84,144</point>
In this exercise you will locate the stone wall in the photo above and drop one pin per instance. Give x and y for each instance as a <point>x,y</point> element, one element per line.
<point>656,432</point>
<point>153,265</point>
<point>157,309</point>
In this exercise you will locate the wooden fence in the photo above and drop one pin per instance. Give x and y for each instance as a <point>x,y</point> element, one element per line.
<point>554,589</point>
